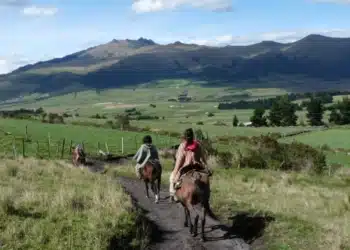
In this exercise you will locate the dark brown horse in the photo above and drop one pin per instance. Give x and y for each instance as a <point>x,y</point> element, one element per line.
<point>78,155</point>
<point>194,190</point>
<point>152,172</point>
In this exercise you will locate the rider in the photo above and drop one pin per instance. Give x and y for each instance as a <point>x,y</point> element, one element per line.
<point>190,152</point>
<point>147,152</point>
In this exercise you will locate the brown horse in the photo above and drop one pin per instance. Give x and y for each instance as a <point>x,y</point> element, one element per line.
<point>194,190</point>
<point>152,172</point>
<point>78,155</point>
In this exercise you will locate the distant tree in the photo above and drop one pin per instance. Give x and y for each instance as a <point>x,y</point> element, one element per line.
<point>258,119</point>
<point>43,117</point>
<point>235,121</point>
<point>123,121</point>
<point>340,113</point>
<point>39,110</point>
<point>315,111</point>
<point>344,108</point>
<point>282,112</point>
<point>335,117</point>
<point>199,134</point>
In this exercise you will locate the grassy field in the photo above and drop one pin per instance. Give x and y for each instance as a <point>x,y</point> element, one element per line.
<point>49,205</point>
<point>90,136</point>
<point>334,138</point>
<point>309,212</point>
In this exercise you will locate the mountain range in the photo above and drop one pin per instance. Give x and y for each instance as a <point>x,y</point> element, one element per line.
<point>314,62</point>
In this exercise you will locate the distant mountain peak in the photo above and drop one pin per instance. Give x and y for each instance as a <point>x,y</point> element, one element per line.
<point>146,41</point>
<point>315,37</point>
<point>139,42</point>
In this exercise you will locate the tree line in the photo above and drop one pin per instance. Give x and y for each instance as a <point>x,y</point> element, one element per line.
<point>282,113</point>
<point>266,103</point>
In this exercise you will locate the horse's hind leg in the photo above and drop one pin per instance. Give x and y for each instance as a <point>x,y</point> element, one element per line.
<point>194,227</point>
<point>186,217</point>
<point>204,213</point>
<point>146,186</point>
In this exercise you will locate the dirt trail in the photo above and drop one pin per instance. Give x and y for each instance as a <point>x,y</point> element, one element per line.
<point>169,220</point>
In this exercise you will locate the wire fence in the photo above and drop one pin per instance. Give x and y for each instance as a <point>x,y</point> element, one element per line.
<point>62,149</point>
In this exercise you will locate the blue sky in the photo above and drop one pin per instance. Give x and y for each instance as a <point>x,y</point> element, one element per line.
<point>36,30</point>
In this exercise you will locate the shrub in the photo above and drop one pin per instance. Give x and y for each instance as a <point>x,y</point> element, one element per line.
<point>224,159</point>
<point>253,160</point>
<point>266,152</point>
<point>54,118</point>
<point>199,123</point>
<point>199,134</point>
<point>219,123</point>
<point>303,157</point>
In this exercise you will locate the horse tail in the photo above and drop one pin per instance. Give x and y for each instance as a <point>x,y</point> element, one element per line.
<point>210,213</point>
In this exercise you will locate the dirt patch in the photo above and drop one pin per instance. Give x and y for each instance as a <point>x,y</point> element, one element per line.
<point>112,105</point>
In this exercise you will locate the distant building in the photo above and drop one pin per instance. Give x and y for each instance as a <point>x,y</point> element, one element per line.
<point>245,124</point>
<point>184,97</point>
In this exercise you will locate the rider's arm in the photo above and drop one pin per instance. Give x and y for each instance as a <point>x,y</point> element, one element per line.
<point>138,154</point>
<point>147,156</point>
<point>180,158</point>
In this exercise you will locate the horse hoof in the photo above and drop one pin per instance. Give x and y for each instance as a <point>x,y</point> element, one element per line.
<point>185,225</point>
<point>147,196</point>
<point>202,239</point>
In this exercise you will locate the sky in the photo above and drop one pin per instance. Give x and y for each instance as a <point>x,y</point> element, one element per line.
<point>37,30</point>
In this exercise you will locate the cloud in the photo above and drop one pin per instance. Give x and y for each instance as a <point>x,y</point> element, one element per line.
<point>13,3</point>
<point>281,36</point>
<point>11,62</point>
<point>39,11</point>
<point>144,6</point>
<point>28,9</point>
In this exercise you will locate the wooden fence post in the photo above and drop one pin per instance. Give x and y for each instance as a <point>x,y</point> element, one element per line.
<point>14,148</point>
<point>23,148</point>
<point>62,150</point>
<point>122,145</point>
<point>57,149</point>
<point>26,132</point>
<point>135,142</point>
<point>106,145</point>
<point>49,144</point>
<point>71,145</point>
<point>37,148</point>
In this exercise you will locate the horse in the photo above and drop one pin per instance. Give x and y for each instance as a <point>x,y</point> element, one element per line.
<point>192,190</point>
<point>152,172</point>
<point>78,155</point>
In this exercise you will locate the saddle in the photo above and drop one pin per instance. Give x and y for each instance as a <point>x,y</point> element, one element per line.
<point>195,172</point>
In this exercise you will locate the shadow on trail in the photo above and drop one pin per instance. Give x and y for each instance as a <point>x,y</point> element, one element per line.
<point>246,226</point>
